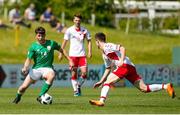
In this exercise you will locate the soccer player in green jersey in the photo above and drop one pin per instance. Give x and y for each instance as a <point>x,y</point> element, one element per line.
<point>42,52</point>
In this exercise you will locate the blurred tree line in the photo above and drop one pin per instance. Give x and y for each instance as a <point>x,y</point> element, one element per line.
<point>104,11</point>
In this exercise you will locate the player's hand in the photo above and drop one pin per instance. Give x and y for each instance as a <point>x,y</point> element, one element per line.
<point>98,84</point>
<point>24,72</point>
<point>60,56</point>
<point>89,54</point>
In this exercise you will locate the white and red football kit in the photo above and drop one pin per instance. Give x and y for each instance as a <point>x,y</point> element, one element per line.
<point>111,56</point>
<point>77,50</point>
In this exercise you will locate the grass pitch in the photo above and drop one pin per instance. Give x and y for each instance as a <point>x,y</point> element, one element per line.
<point>120,100</point>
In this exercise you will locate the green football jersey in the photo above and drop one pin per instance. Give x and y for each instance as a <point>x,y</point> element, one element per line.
<point>43,54</point>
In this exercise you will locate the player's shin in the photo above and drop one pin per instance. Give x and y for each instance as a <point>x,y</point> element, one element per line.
<point>104,92</point>
<point>81,81</point>
<point>75,86</point>
<point>20,93</point>
<point>44,88</point>
<point>156,87</point>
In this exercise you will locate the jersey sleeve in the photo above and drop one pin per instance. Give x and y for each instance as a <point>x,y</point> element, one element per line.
<point>56,45</point>
<point>107,62</point>
<point>30,53</point>
<point>67,34</point>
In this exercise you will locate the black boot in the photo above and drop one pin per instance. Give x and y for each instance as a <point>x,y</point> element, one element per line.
<point>17,99</point>
<point>38,99</point>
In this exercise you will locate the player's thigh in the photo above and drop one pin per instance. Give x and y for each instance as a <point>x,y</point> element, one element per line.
<point>83,64</point>
<point>28,81</point>
<point>75,61</point>
<point>112,78</point>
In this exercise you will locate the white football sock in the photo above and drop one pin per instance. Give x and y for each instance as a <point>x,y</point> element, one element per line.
<point>104,92</point>
<point>157,87</point>
<point>165,86</point>
<point>74,84</point>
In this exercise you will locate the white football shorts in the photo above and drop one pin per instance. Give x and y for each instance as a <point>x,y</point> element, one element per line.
<point>36,74</point>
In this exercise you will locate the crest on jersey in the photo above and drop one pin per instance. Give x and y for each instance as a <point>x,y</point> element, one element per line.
<point>49,48</point>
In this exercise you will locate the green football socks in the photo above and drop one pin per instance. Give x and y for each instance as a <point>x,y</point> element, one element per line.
<point>44,88</point>
<point>18,95</point>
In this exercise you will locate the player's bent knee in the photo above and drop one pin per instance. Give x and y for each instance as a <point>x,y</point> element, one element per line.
<point>51,75</point>
<point>84,76</point>
<point>74,77</point>
<point>107,82</point>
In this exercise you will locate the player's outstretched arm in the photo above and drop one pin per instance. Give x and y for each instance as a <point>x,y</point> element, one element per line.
<point>62,52</point>
<point>60,56</point>
<point>89,49</point>
<point>123,54</point>
<point>25,69</point>
<point>103,79</point>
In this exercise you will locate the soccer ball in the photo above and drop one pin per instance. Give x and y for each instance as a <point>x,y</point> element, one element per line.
<point>46,99</point>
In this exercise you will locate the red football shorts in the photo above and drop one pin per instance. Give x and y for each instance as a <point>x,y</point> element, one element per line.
<point>127,71</point>
<point>79,61</point>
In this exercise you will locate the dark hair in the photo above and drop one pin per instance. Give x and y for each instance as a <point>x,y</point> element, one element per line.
<point>100,36</point>
<point>78,15</point>
<point>40,30</point>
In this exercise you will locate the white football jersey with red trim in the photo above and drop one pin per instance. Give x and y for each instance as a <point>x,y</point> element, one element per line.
<point>112,53</point>
<point>76,38</point>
